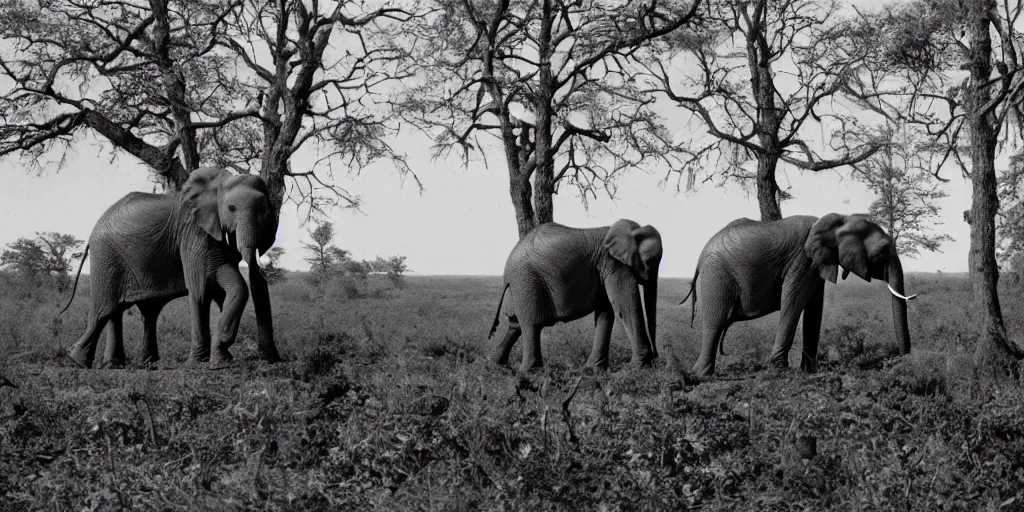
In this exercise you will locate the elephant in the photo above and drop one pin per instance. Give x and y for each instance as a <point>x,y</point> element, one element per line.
<point>559,274</point>
<point>753,268</point>
<point>148,249</point>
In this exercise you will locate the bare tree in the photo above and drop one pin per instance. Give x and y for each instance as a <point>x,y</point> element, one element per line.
<point>244,83</point>
<point>900,176</point>
<point>550,80</point>
<point>767,80</point>
<point>141,75</point>
<point>961,80</point>
<point>310,96</point>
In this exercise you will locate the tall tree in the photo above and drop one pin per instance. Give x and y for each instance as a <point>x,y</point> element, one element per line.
<point>906,192</point>
<point>551,81</point>
<point>768,73</point>
<point>142,76</point>
<point>243,83</point>
<point>311,95</point>
<point>962,80</point>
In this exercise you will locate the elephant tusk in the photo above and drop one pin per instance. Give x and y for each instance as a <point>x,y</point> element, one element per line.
<point>897,294</point>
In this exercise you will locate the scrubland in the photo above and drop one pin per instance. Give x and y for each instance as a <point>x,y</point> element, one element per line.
<point>388,402</point>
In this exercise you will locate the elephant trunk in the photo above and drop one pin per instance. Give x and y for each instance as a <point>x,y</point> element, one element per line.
<point>899,304</point>
<point>245,244</point>
<point>650,297</point>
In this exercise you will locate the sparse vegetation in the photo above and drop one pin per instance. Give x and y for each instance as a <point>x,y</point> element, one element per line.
<point>47,258</point>
<point>387,402</point>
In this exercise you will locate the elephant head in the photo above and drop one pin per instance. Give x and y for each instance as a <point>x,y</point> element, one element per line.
<point>862,247</point>
<point>639,248</point>
<point>232,208</point>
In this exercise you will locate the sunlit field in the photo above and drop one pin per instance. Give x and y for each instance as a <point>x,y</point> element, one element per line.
<point>389,402</point>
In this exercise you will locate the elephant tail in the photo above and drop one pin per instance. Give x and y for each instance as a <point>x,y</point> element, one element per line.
<point>693,291</point>
<point>497,314</point>
<point>75,285</point>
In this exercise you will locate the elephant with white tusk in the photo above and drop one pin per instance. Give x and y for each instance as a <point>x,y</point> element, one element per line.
<point>559,274</point>
<point>752,268</point>
<point>148,249</point>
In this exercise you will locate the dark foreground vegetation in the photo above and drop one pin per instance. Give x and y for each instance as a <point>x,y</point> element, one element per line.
<point>387,402</point>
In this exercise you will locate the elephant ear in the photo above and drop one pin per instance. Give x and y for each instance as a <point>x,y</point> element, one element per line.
<point>199,198</point>
<point>822,247</point>
<point>623,244</point>
<point>853,255</point>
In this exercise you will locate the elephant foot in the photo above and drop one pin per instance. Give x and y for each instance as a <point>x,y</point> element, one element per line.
<point>270,355</point>
<point>809,366</point>
<point>529,366</point>
<point>150,358</point>
<point>114,364</point>
<point>222,355</point>
<point>703,369</point>
<point>79,357</point>
<point>595,362</point>
<point>780,362</point>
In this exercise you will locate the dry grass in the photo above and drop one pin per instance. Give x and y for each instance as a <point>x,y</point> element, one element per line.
<point>388,403</point>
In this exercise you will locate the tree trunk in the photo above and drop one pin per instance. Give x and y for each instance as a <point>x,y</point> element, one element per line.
<point>522,192</point>
<point>768,188</point>
<point>273,169</point>
<point>994,354</point>
<point>767,124</point>
<point>544,174</point>
<point>175,94</point>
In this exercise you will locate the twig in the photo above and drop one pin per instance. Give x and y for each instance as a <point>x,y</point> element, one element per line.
<point>566,416</point>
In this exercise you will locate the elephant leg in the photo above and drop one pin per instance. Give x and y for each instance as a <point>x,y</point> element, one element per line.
<point>235,295</point>
<point>531,348</point>
<point>715,321</point>
<point>624,296</point>
<point>502,349</point>
<point>794,298</point>
<point>150,313</point>
<point>84,350</point>
<point>812,328</point>
<point>604,320</point>
<point>113,355</point>
<point>200,329</point>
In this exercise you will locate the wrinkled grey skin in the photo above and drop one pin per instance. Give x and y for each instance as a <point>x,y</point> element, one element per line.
<point>752,268</point>
<point>559,274</point>
<point>148,249</point>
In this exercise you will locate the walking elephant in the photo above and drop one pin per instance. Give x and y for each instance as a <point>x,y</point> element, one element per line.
<point>148,249</point>
<point>752,268</point>
<point>559,274</point>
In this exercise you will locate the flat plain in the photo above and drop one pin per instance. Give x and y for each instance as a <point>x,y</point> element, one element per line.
<point>388,402</point>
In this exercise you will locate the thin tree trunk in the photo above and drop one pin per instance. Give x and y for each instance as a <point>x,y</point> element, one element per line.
<point>544,174</point>
<point>767,124</point>
<point>768,188</point>
<point>993,355</point>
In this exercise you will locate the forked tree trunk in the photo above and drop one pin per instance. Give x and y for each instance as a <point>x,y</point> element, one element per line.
<point>994,354</point>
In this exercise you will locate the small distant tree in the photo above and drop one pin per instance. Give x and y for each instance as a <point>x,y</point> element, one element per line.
<point>271,271</point>
<point>323,255</point>
<point>394,267</point>
<point>906,193</point>
<point>48,255</point>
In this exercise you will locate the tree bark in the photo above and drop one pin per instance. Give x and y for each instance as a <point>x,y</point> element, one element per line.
<point>994,354</point>
<point>768,188</point>
<point>767,124</point>
<point>544,174</point>
<point>174,93</point>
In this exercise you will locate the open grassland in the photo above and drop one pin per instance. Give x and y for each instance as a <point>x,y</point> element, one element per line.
<point>388,403</point>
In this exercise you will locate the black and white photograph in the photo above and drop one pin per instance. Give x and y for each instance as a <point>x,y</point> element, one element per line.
<point>512,255</point>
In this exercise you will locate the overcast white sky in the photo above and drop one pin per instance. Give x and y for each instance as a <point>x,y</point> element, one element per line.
<point>463,223</point>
